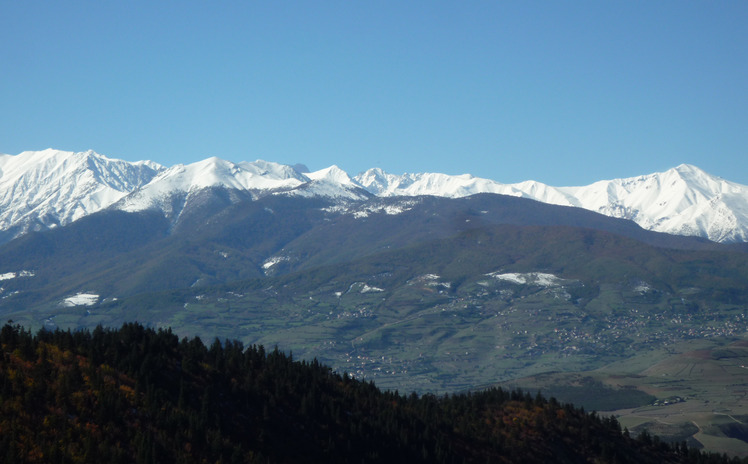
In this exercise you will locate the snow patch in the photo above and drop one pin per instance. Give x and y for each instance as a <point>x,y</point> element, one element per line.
<point>270,262</point>
<point>13,275</point>
<point>642,288</point>
<point>81,299</point>
<point>368,289</point>
<point>430,280</point>
<point>390,210</point>
<point>541,279</point>
<point>363,211</point>
<point>363,287</point>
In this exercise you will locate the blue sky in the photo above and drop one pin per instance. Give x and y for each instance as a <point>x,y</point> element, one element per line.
<point>563,92</point>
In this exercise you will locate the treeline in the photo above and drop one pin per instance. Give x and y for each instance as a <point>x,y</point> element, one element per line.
<point>141,395</point>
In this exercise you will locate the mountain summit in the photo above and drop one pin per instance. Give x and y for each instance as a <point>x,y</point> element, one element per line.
<point>50,188</point>
<point>683,200</point>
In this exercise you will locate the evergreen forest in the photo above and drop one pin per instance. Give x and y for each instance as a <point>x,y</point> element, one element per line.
<point>137,394</point>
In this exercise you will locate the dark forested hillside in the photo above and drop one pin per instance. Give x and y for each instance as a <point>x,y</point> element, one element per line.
<point>140,395</point>
<point>223,236</point>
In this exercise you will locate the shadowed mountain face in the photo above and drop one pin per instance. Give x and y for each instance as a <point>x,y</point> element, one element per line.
<point>366,258</point>
<point>223,235</point>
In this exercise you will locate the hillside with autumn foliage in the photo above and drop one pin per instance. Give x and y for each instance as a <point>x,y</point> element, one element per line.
<point>141,395</point>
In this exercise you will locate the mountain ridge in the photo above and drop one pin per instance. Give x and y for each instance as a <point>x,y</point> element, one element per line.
<point>43,189</point>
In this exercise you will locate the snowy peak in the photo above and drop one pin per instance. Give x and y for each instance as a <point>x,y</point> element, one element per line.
<point>274,172</point>
<point>378,182</point>
<point>701,182</point>
<point>42,189</point>
<point>331,182</point>
<point>258,178</point>
<point>687,169</point>
<point>683,200</point>
<point>691,172</point>
<point>210,173</point>
<point>332,174</point>
<point>215,172</point>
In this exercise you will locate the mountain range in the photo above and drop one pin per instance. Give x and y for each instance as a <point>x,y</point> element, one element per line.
<point>45,189</point>
<point>422,282</point>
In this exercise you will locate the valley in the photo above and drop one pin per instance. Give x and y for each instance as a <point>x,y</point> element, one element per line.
<point>697,392</point>
<point>416,338</point>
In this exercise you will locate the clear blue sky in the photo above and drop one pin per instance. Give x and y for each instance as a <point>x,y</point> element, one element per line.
<point>563,92</point>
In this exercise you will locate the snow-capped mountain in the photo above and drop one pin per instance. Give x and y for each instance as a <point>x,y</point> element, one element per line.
<point>44,189</point>
<point>189,180</point>
<point>331,182</point>
<point>683,200</point>
<point>49,188</point>
<point>257,178</point>
<point>384,184</point>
